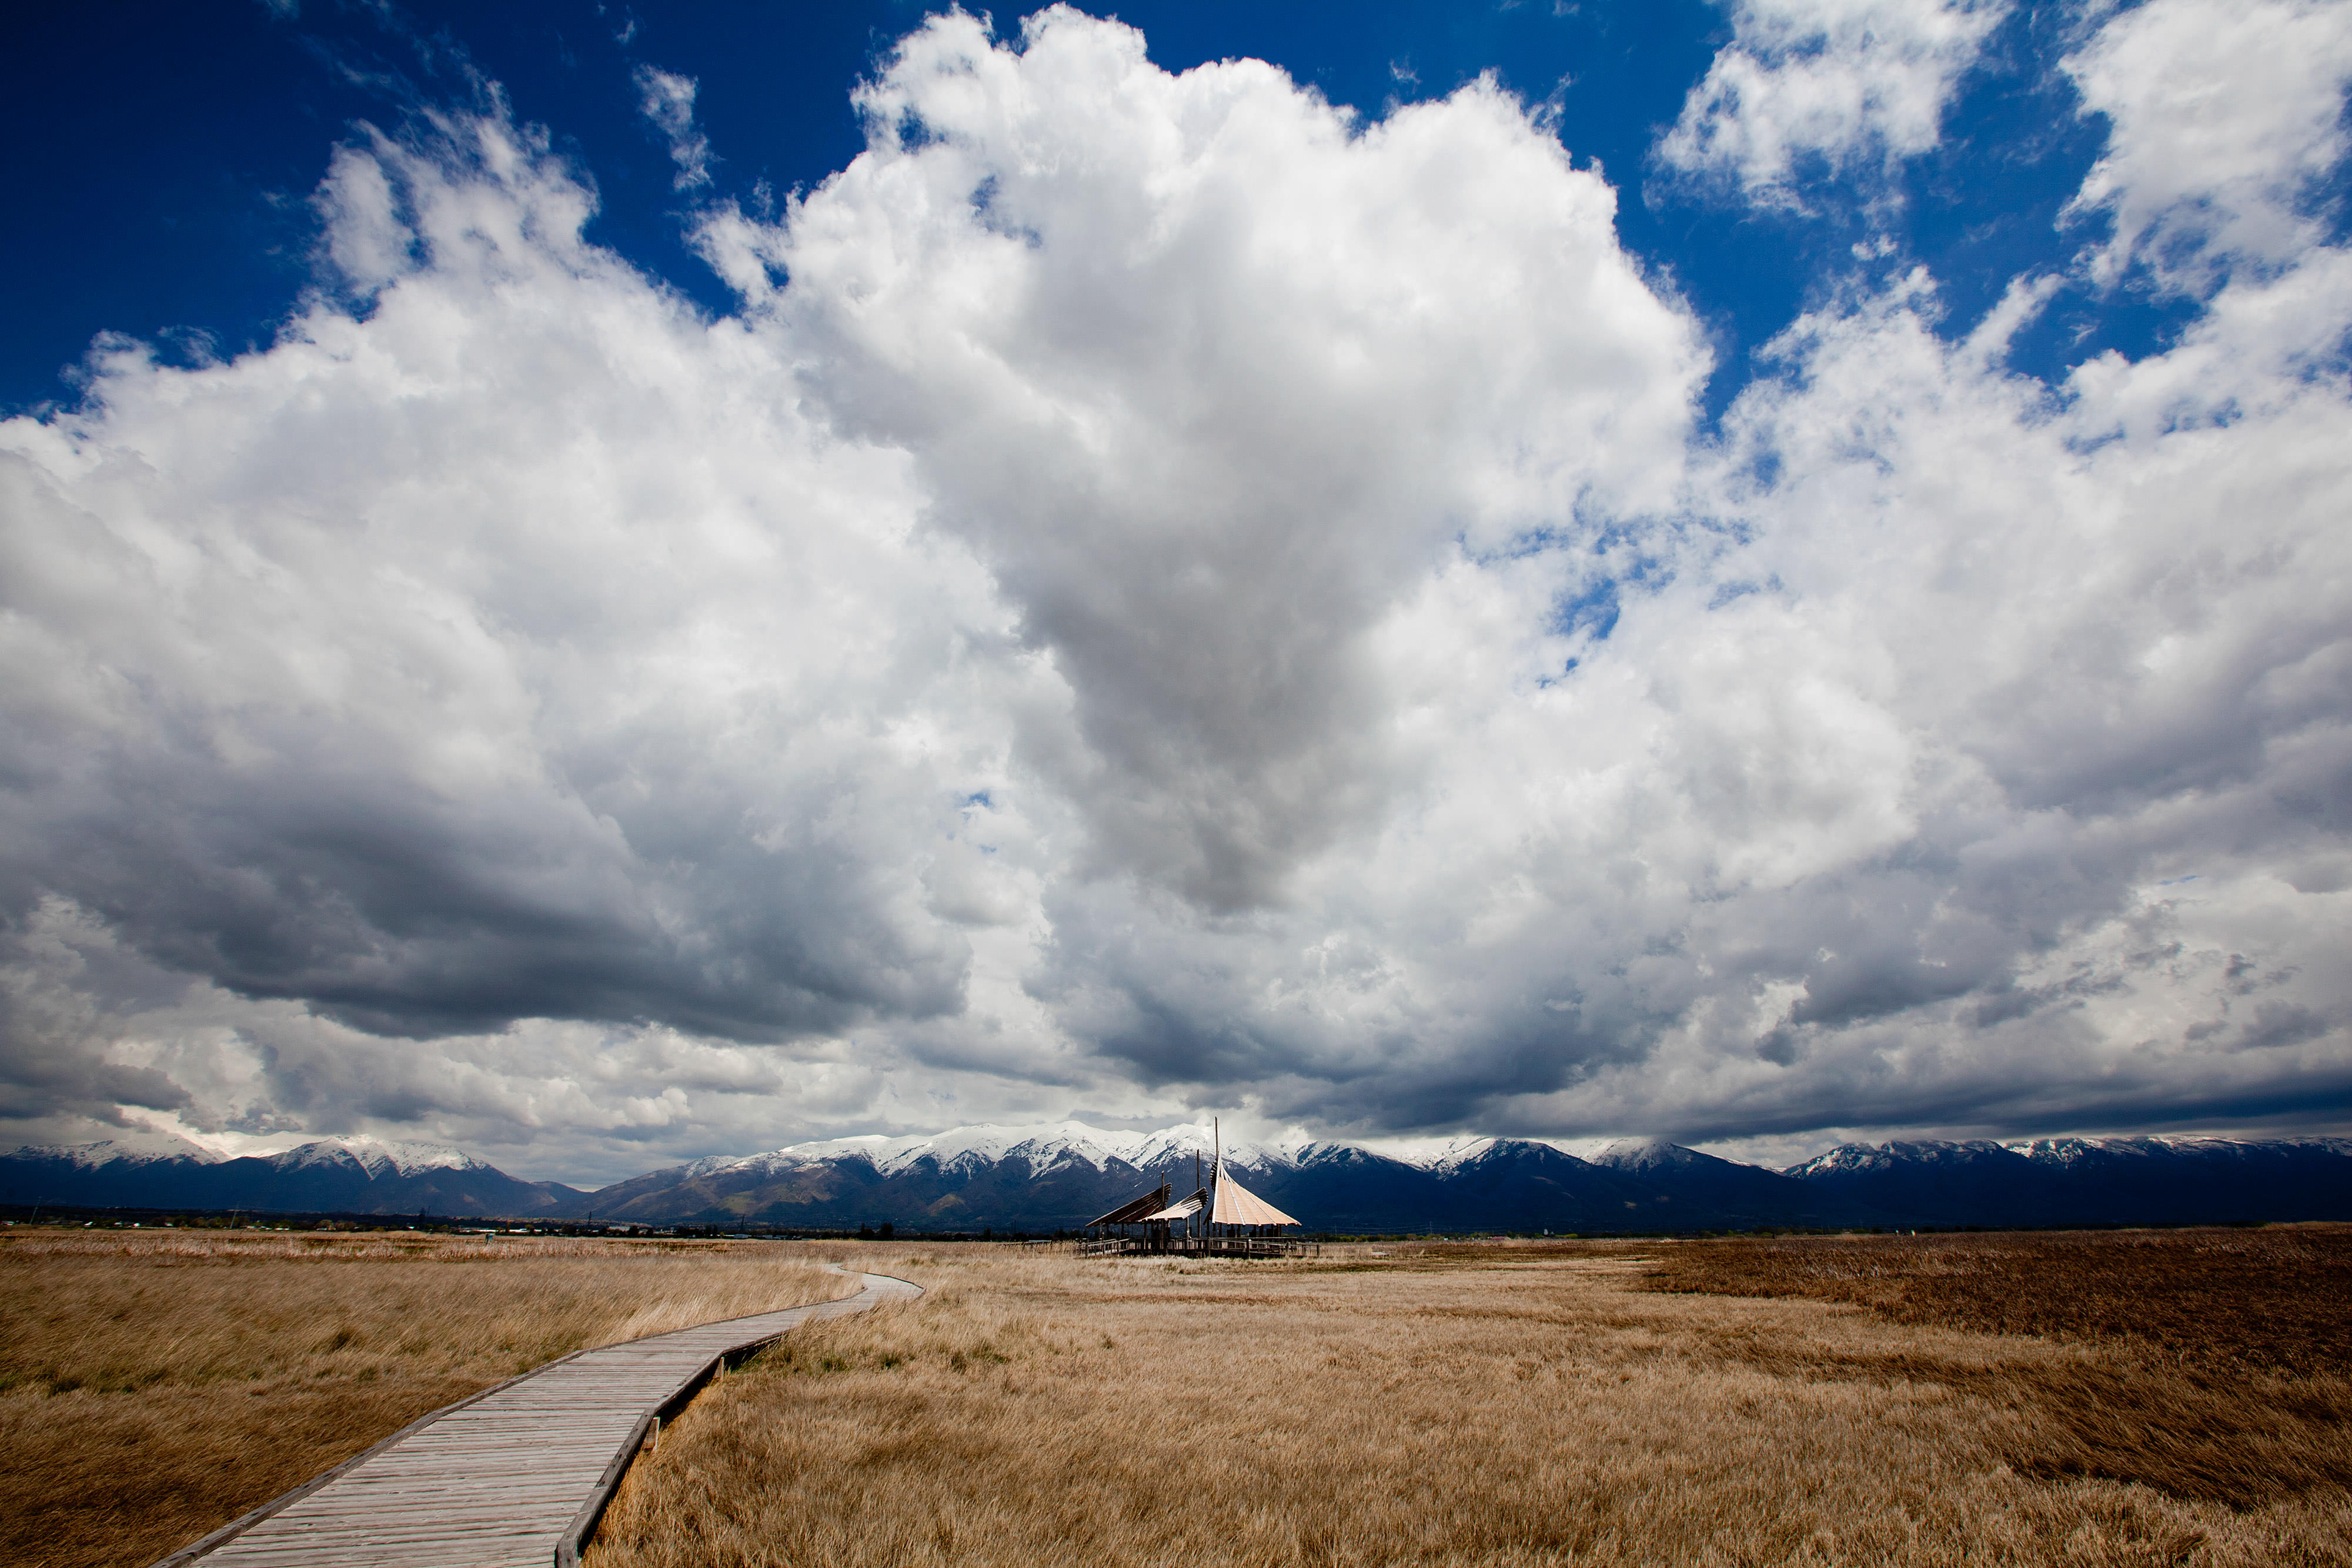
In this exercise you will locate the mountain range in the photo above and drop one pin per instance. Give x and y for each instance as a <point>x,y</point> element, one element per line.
<point>1060,1176</point>
<point>339,1175</point>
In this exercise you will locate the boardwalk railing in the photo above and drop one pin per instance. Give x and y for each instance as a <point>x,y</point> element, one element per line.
<point>576,1535</point>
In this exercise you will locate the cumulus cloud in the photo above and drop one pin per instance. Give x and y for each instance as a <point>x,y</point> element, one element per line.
<point>1211,380</point>
<point>522,649</point>
<point>2227,114</point>
<point>103,1037</point>
<point>1168,596</point>
<point>1852,83</point>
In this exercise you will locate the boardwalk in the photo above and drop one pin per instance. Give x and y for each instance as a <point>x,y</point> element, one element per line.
<point>516,1476</point>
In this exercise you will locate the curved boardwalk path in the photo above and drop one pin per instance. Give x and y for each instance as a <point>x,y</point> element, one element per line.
<point>518,1475</point>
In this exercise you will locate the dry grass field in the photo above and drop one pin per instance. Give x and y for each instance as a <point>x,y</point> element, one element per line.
<point>2225,1370</point>
<point>2158,1399</point>
<point>2265,1301</point>
<point>154,1385</point>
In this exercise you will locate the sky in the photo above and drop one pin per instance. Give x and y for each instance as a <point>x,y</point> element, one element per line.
<point>608,584</point>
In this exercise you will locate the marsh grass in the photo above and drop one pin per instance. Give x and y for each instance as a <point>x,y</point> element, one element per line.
<point>157,1384</point>
<point>2273,1299</point>
<point>2224,1363</point>
<point>1511,1406</point>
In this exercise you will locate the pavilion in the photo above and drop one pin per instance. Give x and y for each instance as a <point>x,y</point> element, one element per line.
<point>1221,1217</point>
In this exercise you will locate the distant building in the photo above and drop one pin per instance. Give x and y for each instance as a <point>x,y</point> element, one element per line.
<point>1221,1217</point>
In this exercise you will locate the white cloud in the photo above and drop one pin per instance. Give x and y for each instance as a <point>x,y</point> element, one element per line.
<point>1182,599</point>
<point>667,100</point>
<point>1854,83</point>
<point>1212,382</point>
<point>2226,113</point>
<point>521,650</point>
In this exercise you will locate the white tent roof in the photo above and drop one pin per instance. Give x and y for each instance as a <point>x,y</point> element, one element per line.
<point>1236,1205</point>
<point>1184,1210</point>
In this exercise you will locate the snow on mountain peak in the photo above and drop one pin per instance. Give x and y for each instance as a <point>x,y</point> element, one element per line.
<point>1169,1150</point>
<point>380,1158</point>
<point>1646,1154</point>
<point>1047,1146</point>
<point>1043,1146</point>
<point>403,1157</point>
<point>1456,1152</point>
<point>133,1149</point>
<point>2153,1145</point>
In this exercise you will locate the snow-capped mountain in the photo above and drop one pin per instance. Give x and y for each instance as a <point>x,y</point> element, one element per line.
<point>1849,1160</point>
<point>1058,1176</point>
<point>1061,1175</point>
<point>2090,1181</point>
<point>1044,1149</point>
<point>2074,1152</point>
<point>132,1149</point>
<point>966,1177</point>
<point>122,1171</point>
<point>1739,1196</point>
<point>1456,1154</point>
<point>380,1159</point>
<point>1652,1155</point>
<point>330,1175</point>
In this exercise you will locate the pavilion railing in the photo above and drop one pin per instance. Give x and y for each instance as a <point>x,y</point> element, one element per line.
<point>1183,1246</point>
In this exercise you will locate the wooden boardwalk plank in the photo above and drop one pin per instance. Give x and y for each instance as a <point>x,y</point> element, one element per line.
<point>516,1476</point>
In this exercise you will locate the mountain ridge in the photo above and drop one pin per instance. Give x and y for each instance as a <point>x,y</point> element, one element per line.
<point>1059,1175</point>
<point>342,1175</point>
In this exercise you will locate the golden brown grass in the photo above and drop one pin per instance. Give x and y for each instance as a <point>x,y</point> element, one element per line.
<point>2225,1370</point>
<point>155,1385</point>
<point>1522,1405</point>
<point>2274,1300</point>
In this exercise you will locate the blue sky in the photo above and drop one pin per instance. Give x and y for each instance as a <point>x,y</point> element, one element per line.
<point>612,583</point>
<point>188,141</point>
